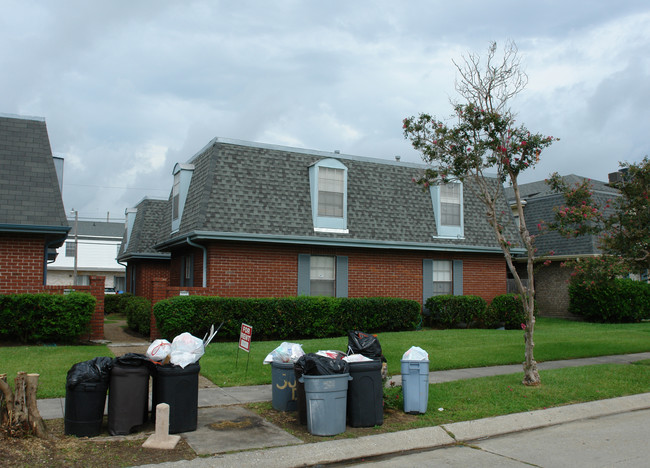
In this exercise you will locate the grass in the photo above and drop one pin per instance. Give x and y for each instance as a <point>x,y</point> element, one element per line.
<point>478,398</point>
<point>224,365</point>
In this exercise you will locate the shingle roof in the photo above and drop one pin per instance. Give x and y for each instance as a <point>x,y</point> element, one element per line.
<point>152,220</point>
<point>540,207</point>
<point>256,189</point>
<point>29,189</point>
<point>98,228</point>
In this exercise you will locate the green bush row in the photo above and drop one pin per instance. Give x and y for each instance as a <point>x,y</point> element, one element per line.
<point>45,317</point>
<point>473,312</point>
<point>138,314</point>
<point>614,301</point>
<point>284,318</point>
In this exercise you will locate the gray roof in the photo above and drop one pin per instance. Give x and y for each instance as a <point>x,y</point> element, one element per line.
<point>152,219</point>
<point>540,207</point>
<point>30,198</point>
<point>251,191</point>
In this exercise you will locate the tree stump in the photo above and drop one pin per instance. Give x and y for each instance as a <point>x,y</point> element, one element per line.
<point>19,409</point>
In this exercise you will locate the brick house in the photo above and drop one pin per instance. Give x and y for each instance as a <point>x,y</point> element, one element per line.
<point>255,220</point>
<point>551,282</point>
<point>32,218</point>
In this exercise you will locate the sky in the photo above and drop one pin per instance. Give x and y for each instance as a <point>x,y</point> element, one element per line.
<point>129,88</point>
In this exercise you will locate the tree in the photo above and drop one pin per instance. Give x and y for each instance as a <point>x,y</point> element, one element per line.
<point>485,138</point>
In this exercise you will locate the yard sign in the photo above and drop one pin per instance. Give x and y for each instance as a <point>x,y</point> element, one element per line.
<point>245,337</point>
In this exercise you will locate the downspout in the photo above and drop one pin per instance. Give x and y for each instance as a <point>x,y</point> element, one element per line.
<point>205,260</point>
<point>47,247</point>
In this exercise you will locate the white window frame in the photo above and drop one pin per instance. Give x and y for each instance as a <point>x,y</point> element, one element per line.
<point>322,270</point>
<point>327,222</point>
<point>443,274</point>
<point>438,197</point>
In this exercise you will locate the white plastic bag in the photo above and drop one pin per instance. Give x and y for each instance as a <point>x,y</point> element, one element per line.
<point>186,350</point>
<point>159,350</point>
<point>356,358</point>
<point>415,354</point>
<point>286,352</point>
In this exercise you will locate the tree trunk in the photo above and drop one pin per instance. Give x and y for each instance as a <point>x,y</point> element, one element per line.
<point>19,410</point>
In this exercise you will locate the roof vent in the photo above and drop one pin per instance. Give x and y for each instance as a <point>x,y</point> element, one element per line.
<point>337,151</point>
<point>397,157</point>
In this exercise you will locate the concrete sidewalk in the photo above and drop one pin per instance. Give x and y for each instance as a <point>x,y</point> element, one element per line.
<point>221,420</point>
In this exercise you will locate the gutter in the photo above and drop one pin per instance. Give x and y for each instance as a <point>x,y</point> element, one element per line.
<point>47,247</point>
<point>205,259</point>
<point>323,241</point>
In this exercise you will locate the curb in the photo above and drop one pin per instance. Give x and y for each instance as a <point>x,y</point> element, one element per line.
<point>429,438</point>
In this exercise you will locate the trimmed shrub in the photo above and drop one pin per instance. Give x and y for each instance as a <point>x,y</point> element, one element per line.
<point>45,317</point>
<point>138,314</point>
<point>116,303</point>
<point>452,311</point>
<point>614,301</point>
<point>506,309</point>
<point>284,318</point>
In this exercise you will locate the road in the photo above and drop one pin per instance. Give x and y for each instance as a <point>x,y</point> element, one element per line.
<point>620,440</point>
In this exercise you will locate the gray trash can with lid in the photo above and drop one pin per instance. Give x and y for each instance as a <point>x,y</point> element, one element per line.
<point>415,385</point>
<point>283,382</point>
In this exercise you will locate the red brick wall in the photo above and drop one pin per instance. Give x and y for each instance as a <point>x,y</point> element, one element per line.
<point>21,263</point>
<point>145,272</point>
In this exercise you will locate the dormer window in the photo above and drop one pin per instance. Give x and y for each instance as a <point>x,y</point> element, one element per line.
<point>182,178</point>
<point>447,200</point>
<point>328,182</point>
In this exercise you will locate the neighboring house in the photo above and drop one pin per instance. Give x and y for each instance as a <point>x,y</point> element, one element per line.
<point>254,220</point>
<point>97,246</point>
<point>551,281</point>
<point>32,218</point>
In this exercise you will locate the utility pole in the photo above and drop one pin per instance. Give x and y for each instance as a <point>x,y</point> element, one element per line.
<point>76,246</point>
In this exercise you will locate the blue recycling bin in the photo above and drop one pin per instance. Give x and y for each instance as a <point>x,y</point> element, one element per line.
<point>283,382</point>
<point>415,385</point>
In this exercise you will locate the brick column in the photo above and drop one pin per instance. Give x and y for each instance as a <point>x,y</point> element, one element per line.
<point>97,284</point>
<point>159,292</point>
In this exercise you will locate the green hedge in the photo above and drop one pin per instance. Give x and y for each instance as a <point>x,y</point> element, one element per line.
<point>507,310</point>
<point>453,311</point>
<point>138,313</point>
<point>284,318</point>
<point>45,317</point>
<point>614,301</point>
<point>116,303</point>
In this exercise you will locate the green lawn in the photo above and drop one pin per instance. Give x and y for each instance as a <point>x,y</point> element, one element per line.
<point>448,349</point>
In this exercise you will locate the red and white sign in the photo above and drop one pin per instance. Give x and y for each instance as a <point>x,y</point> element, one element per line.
<point>245,337</point>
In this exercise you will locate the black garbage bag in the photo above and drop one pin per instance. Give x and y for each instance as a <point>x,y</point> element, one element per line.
<point>314,364</point>
<point>132,360</point>
<point>94,370</point>
<point>364,344</point>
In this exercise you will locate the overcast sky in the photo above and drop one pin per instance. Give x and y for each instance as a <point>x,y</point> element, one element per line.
<point>129,88</point>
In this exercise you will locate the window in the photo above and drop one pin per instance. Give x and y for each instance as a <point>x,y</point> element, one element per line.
<point>450,205</point>
<point>330,192</point>
<point>187,271</point>
<point>322,276</point>
<point>442,277</point>
<point>69,249</point>
<point>328,181</point>
<point>447,200</point>
<point>176,195</point>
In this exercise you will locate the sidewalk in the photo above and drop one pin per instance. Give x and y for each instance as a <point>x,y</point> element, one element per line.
<point>218,409</point>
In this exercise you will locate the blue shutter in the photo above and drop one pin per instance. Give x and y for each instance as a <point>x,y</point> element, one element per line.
<point>341,276</point>
<point>427,280</point>
<point>303,274</point>
<point>458,277</point>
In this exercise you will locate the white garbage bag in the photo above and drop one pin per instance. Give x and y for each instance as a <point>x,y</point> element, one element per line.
<point>415,354</point>
<point>159,350</point>
<point>356,358</point>
<point>186,349</point>
<point>286,352</point>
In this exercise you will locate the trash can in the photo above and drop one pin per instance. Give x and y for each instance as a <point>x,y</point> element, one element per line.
<point>85,396</point>
<point>326,399</point>
<point>179,388</point>
<point>415,385</point>
<point>301,399</point>
<point>365,394</point>
<point>283,382</point>
<point>84,409</point>
<point>128,396</point>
